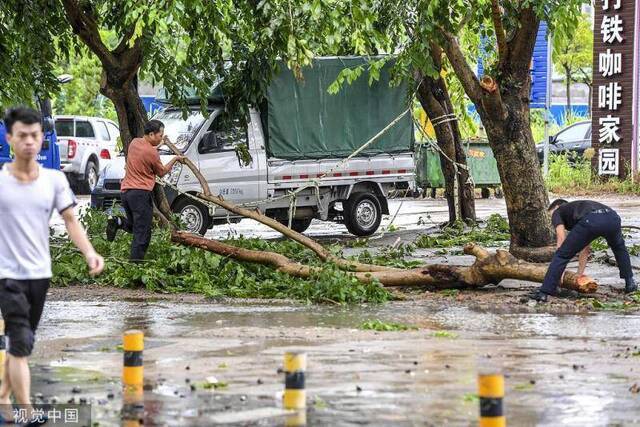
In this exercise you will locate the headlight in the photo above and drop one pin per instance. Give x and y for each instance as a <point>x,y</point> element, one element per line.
<point>174,175</point>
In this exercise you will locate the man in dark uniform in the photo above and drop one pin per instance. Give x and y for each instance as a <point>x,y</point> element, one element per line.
<point>587,220</point>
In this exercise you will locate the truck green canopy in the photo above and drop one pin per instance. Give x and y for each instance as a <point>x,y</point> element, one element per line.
<point>305,121</point>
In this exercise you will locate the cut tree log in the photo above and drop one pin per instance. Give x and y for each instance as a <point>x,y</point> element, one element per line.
<point>487,269</point>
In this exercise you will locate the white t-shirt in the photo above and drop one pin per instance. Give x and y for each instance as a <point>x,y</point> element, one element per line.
<point>25,211</point>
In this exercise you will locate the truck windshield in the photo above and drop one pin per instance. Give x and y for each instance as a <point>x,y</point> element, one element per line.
<point>179,130</point>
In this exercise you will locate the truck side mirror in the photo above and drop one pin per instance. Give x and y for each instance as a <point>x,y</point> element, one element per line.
<point>552,139</point>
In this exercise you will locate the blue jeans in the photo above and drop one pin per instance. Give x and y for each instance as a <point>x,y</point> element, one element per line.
<point>592,226</point>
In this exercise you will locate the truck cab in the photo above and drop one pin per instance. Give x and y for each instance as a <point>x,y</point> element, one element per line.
<point>49,156</point>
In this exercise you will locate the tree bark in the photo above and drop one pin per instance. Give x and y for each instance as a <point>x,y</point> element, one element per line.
<point>434,98</point>
<point>120,68</point>
<point>131,112</point>
<point>502,103</point>
<point>567,74</point>
<point>487,269</point>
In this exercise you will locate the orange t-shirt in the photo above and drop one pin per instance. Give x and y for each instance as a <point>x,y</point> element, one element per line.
<point>143,164</point>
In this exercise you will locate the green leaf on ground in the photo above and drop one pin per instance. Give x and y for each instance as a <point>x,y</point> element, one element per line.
<point>379,325</point>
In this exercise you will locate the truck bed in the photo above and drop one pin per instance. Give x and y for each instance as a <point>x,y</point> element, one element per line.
<point>380,168</point>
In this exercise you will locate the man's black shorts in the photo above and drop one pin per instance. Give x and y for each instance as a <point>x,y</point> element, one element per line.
<point>21,302</point>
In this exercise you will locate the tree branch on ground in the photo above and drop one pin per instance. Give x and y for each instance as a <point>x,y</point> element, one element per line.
<point>487,269</point>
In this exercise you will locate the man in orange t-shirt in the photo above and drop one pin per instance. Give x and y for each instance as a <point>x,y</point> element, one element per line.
<point>143,165</point>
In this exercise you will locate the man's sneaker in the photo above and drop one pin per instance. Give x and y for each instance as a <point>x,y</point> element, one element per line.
<point>113,224</point>
<point>538,295</point>
<point>630,286</point>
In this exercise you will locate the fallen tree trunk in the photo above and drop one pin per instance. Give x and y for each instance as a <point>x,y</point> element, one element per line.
<point>488,268</point>
<point>316,247</point>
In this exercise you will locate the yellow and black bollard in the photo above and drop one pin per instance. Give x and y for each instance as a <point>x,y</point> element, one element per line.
<point>3,349</point>
<point>491,393</point>
<point>133,371</point>
<point>133,379</point>
<point>295,397</point>
<point>295,365</point>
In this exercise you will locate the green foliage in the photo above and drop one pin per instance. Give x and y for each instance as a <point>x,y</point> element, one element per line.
<point>496,231</point>
<point>471,397</point>
<point>599,244</point>
<point>82,95</point>
<point>615,305</point>
<point>573,176</point>
<point>445,334</point>
<point>392,256</point>
<point>381,326</point>
<point>452,293</point>
<point>29,43</point>
<point>537,123</point>
<point>175,268</point>
<point>573,52</point>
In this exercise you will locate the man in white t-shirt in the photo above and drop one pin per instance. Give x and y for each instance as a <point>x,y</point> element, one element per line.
<point>28,196</point>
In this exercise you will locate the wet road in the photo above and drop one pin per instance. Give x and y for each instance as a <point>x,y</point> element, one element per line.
<point>573,370</point>
<point>560,370</point>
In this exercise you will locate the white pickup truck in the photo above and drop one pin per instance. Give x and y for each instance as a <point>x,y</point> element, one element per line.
<point>248,168</point>
<point>356,193</point>
<point>86,145</point>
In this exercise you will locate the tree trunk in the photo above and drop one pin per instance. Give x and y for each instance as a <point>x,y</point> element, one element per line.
<point>526,197</point>
<point>436,102</point>
<point>120,66</point>
<point>503,106</point>
<point>567,74</point>
<point>131,113</point>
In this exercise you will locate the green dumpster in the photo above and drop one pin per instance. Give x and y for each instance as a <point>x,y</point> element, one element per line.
<point>480,159</point>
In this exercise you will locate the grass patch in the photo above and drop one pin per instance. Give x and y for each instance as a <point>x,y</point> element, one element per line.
<point>573,176</point>
<point>381,326</point>
<point>173,268</point>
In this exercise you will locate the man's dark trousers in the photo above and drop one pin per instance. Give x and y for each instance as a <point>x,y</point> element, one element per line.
<point>589,228</point>
<point>138,205</point>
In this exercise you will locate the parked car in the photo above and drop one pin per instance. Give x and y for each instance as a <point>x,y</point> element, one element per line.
<point>574,139</point>
<point>86,144</point>
<point>263,159</point>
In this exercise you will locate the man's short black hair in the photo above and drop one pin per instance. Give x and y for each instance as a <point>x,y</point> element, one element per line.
<point>25,115</point>
<point>153,126</point>
<point>556,203</point>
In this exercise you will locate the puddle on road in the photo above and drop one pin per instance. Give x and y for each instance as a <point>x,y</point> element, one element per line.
<point>561,369</point>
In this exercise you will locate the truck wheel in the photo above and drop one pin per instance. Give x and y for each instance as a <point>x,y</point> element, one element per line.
<point>486,193</point>
<point>87,185</point>
<point>193,215</point>
<point>299,225</point>
<point>499,193</point>
<point>362,214</point>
